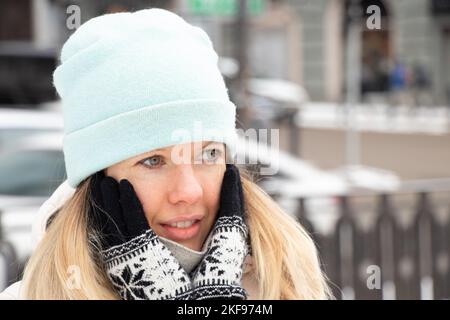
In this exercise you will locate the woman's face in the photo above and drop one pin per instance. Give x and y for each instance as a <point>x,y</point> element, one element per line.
<point>179,188</point>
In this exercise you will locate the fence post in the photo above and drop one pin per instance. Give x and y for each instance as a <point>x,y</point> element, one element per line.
<point>8,260</point>
<point>424,220</point>
<point>366,258</point>
<point>302,217</point>
<point>406,258</point>
<point>385,230</point>
<point>440,237</point>
<point>345,238</point>
<point>3,263</point>
<point>327,248</point>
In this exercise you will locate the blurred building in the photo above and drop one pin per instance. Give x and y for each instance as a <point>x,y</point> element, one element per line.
<point>303,41</point>
<point>416,32</point>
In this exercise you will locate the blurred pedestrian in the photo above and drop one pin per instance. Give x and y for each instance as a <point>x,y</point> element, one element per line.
<point>400,81</point>
<point>421,86</point>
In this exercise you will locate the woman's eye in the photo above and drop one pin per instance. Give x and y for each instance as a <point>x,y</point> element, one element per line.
<point>153,161</point>
<point>212,154</point>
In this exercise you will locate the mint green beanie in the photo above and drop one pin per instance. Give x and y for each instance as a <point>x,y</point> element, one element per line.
<point>134,82</point>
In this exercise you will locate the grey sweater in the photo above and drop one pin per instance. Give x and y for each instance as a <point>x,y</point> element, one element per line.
<point>187,257</point>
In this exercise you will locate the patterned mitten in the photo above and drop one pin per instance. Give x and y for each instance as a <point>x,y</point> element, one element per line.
<point>138,264</point>
<point>219,274</point>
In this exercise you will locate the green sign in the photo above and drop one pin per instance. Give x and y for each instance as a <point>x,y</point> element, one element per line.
<point>224,7</point>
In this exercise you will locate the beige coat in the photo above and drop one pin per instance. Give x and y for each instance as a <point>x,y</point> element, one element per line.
<point>56,200</point>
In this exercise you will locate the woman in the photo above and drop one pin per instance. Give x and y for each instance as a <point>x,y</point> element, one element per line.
<point>139,87</point>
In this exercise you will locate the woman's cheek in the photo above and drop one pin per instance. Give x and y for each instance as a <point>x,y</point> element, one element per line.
<point>211,183</point>
<point>142,174</point>
<point>149,195</point>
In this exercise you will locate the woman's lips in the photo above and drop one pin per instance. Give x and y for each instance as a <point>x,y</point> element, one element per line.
<point>177,234</point>
<point>182,228</point>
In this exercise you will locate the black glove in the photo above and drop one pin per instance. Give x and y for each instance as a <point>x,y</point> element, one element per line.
<point>141,267</point>
<point>138,264</point>
<point>219,274</point>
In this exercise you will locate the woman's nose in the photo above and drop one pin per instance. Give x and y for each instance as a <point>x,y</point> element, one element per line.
<point>185,186</point>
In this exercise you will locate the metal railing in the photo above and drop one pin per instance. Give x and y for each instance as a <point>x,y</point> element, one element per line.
<point>386,246</point>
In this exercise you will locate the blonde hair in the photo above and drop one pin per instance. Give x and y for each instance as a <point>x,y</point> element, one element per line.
<point>65,263</point>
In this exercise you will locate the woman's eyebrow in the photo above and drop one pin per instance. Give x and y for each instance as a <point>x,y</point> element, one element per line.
<point>204,144</point>
<point>211,142</point>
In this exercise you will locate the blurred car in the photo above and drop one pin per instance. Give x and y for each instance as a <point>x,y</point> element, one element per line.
<point>19,123</point>
<point>31,167</point>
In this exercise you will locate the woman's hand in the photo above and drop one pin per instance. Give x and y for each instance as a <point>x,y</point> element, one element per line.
<point>138,264</point>
<point>141,267</point>
<point>219,274</point>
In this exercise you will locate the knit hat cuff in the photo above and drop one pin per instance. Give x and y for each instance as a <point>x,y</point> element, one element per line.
<point>129,134</point>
